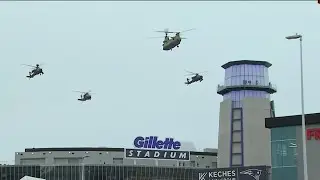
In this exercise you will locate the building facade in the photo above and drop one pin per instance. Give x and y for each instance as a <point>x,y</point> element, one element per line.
<point>243,138</point>
<point>108,156</point>
<point>286,146</point>
<point>96,172</point>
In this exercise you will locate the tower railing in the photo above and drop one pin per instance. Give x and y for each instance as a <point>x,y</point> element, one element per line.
<point>221,86</point>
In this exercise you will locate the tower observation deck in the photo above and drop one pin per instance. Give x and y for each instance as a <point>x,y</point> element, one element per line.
<point>246,78</point>
<point>246,103</point>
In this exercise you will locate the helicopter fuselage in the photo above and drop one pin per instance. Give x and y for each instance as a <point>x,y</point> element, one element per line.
<point>171,43</point>
<point>35,72</point>
<point>85,97</point>
<point>194,79</point>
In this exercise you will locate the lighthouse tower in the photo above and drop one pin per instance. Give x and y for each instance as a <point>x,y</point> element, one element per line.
<point>243,138</point>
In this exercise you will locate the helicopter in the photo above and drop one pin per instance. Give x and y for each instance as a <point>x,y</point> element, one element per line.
<point>35,71</point>
<point>196,77</point>
<point>84,96</point>
<point>171,42</point>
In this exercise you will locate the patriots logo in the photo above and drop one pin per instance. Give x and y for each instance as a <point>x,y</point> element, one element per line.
<point>255,173</point>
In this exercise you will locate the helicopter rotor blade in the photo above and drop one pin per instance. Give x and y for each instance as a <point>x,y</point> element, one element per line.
<point>28,65</point>
<point>202,72</point>
<point>190,72</point>
<point>166,31</point>
<point>155,37</point>
<point>90,92</point>
<point>187,30</point>
<point>79,91</point>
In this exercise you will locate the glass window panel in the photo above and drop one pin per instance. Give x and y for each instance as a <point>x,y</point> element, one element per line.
<point>246,69</point>
<point>276,154</point>
<point>227,82</point>
<point>236,159</point>
<point>259,80</point>
<point>237,95</point>
<point>232,81</point>
<point>265,71</point>
<point>237,114</point>
<point>284,173</point>
<point>235,80</point>
<point>253,70</point>
<point>254,79</point>
<point>236,125</point>
<point>276,134</point>
<point>226,74</point>
<point>291,153</point>
<point>236,73</point>
<point>242,69</point>
<point>289,133</point>
<point>261,70</point>
<point>239,80</point>
<point>245,78</point>
<point>251,93</point>
<point>242,94</point>
<point>233,95</point>
<point>250,80</point>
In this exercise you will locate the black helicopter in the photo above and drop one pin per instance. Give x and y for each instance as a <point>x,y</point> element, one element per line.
<point>195,77</point>
<point>35,71</point>
<point>84,96</point>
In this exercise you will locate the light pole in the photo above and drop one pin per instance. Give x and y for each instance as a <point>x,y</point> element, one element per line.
<point>82,167</point>
<point>304,144</point>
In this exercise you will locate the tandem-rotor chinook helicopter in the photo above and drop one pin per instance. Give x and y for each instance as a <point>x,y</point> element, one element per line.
<point>84,96</point>
<point>35,71</point>
<point>171,42</point>
<point>196,77</point>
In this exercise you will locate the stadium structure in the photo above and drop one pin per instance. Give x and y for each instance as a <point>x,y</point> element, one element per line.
<point>108,156</point>
<point>150,159</point>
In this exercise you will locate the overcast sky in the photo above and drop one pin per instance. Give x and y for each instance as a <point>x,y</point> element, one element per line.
<point>140,90</point>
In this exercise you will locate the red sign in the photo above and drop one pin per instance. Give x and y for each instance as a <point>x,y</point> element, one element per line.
<point>313,133</point>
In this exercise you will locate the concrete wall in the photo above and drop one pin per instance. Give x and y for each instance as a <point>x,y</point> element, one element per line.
<point>256,138</point>
<point>224,134</point>
<point>117,158</point>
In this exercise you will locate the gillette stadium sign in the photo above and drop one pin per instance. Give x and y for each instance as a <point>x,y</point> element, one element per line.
<point>152,147</point>
<point>236,173</point>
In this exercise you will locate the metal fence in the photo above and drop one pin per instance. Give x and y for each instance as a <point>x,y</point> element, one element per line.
<point>96,172</point>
